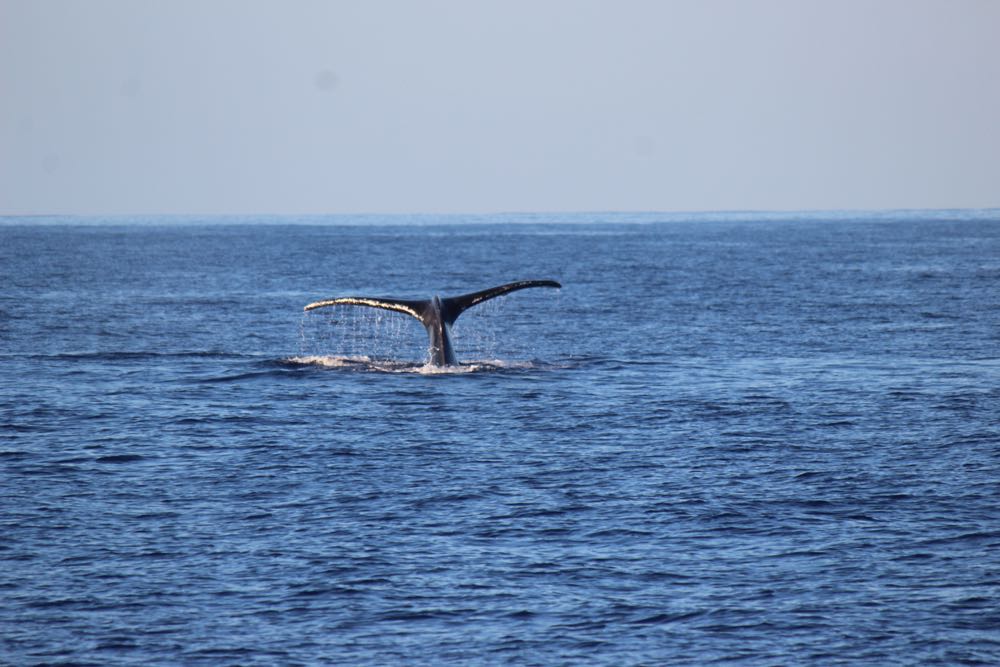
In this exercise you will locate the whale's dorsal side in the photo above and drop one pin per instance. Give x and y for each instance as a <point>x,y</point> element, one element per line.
<point>454,306</point>
<point>436,314</point>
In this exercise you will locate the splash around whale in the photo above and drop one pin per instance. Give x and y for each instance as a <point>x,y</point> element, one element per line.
<point>436,314</point>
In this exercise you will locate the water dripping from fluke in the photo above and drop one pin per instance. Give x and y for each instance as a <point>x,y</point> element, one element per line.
<point>436,314</point>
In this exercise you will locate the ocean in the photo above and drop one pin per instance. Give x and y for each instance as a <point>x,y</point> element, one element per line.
<point>761,439</point>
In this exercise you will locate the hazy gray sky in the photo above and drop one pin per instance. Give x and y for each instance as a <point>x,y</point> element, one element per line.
<point>234,106</point>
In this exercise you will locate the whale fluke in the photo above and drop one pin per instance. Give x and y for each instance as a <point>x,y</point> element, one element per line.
<point>436,314</point>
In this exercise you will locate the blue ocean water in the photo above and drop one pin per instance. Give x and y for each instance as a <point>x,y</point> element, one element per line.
<point>732,439</point>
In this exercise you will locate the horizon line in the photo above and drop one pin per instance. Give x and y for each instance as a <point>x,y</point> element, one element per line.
<point>813,212</point>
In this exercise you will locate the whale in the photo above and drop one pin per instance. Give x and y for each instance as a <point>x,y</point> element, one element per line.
<point>437,314</point>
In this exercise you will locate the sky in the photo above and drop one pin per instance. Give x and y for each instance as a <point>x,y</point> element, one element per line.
<point>119,107</point>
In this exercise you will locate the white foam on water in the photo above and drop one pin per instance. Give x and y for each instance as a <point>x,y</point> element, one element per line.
<point>329,361</point>
<point>366,363</point>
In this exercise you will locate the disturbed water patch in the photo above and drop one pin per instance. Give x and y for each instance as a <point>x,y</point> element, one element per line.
<point>369,364</point>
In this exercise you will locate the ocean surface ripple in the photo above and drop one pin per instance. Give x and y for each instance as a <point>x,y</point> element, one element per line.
<point>764,440</point>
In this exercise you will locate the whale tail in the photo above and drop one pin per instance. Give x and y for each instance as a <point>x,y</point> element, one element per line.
<point>436,314</point>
